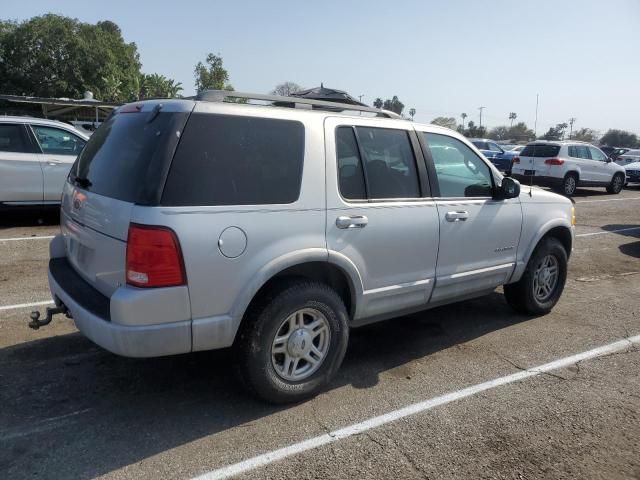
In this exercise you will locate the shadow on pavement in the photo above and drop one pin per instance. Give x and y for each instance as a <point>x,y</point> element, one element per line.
<point>70,409</point>
<point>27,217</point>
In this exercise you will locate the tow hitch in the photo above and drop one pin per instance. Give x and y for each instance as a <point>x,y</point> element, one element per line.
<point>36,323</point>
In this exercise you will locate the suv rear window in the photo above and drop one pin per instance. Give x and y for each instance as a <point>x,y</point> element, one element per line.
<point>540,151</point>
<point>127,157</point>
<point>236,160</point>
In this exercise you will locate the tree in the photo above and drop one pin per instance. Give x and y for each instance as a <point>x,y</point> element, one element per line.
<point>393,105</point>
<point>158,86</point>
<point>555,133</point>
<point>619,138</point>
<point>378,103</point>
<point>512,117</point>
<point>286,89</point>
<point>464,116</point>
<point>474,132</point>
<point>448,122</point>
<point>211,75</point>
<point>412,113</point>
<point>56,56</point>
<point>521,133</point>
<point>585,135</point>
<point>499,133</point>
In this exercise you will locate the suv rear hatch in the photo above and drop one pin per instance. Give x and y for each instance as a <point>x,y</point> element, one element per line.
<point>125,163</point>
<point>533,156</point>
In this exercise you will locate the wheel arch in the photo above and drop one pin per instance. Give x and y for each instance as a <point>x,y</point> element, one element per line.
<point>330,268</point>
<point>559,229</point>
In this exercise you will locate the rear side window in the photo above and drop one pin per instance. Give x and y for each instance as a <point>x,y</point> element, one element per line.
<point>127,157</point>
<point>376,164</point>
<point>540,151</point>
<point>350,174</point>
<point>13,139</point>
<point>235,160</point>
<point>579,151</point>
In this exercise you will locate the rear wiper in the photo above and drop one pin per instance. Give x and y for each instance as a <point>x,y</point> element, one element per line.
<point>82,182</point>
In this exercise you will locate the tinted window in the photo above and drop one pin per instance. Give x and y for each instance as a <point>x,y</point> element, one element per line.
<point>390,165</point>
<point>350,175</point>
<point>127,157</point>
<point>481,145</point>
<point>234,160</point>
<point>57,141</point>
<point>13,139</point>
<point>597,154</point>
<point>579,151</point>
<point>460,172</point>
<point>538,150</point>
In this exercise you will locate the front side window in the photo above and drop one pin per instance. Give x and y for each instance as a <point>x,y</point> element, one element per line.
<point>481,145</point>
<point>460,172</point>
<point>56,141</point>
<point>389,163</point>
<point>12,139</point>
<point>597,154</point>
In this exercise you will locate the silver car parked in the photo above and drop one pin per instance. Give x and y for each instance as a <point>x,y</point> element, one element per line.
<point>200,224</point>
<point>35,158</point>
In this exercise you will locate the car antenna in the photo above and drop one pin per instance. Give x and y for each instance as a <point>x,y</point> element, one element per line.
<point>531,176</point>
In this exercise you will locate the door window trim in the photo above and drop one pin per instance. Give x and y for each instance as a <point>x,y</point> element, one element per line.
<point>433,177</point>
<point>423,177</point>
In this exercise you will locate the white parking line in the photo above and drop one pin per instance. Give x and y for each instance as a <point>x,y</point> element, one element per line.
<point>607,231</point>
<point>358,428</point>
<point>25,305</point>
<point>610,200</point>
<point>15,239</point>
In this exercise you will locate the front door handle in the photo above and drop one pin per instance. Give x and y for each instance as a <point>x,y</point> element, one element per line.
<point>52,163</point>
<point>357,221</point>
<point>459,216</point>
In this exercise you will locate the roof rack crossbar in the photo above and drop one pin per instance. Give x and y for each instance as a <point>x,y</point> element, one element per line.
<point>298,102</point>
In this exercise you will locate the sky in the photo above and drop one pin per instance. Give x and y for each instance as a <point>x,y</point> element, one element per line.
<point>441,57</point>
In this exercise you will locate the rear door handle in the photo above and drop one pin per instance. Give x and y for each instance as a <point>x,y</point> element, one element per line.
<point>459,216</point>
<point>357,221</point>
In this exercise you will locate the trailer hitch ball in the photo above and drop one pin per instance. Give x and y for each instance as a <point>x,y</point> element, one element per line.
<point>36,323</point>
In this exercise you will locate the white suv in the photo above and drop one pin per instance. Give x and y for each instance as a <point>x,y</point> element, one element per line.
<point>566,165</point>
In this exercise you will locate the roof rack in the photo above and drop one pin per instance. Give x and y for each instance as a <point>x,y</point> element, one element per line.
<point>295,102</point>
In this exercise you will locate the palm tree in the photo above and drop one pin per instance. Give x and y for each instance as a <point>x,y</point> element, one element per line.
<point>463,115</point>
<point>512,117</point>
<point>412,112</point>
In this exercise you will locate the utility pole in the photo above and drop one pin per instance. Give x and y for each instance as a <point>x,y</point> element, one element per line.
<point>571,122</point>
<point>360,98</point>
<point>481,108</point>
<point>535,124</point>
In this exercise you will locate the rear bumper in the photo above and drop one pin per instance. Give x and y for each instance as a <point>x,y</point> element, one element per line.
<point>539,180</point>
<point>91,312</point>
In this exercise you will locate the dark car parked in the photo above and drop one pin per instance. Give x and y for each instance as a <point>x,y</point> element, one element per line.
<point>494,153</point>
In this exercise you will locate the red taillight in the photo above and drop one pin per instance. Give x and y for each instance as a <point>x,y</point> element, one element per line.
<point>516,159</point>
<point>154,258</point>
<point>554,161</point>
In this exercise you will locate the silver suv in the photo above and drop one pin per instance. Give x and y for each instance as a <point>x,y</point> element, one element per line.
<point>201,224</point>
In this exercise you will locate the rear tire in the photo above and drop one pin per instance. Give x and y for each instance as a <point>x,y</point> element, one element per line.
<point>617,184</point>
<point>280,329</point>
<point>538,290</point>
<point>569,184</point>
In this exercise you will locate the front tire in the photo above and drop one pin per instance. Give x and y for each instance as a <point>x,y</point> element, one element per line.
<point>542,283</point>
<point>617,184</point>
<point>292,342</point>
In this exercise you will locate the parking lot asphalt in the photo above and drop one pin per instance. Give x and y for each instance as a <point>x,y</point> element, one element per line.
<point>71,410</point>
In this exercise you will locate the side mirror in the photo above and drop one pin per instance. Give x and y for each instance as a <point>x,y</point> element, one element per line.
<point>509,188</point>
